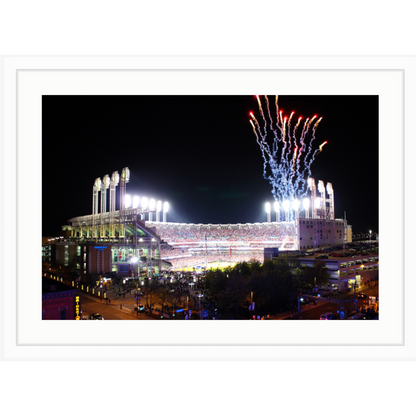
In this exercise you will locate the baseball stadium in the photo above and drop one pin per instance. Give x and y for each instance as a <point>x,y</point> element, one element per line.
<point>135,241</point>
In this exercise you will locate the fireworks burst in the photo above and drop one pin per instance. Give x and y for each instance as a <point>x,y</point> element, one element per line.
<point>288,158</point>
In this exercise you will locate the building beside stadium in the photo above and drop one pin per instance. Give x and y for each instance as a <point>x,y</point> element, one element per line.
<point>130,242</point>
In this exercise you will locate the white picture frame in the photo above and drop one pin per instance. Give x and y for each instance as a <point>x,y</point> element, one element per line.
<point>27,79</point>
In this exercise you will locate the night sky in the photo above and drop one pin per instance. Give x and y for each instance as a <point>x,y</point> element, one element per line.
<point>200,154</point>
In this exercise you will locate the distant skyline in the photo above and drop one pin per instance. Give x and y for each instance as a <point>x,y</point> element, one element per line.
<point>200,154</point>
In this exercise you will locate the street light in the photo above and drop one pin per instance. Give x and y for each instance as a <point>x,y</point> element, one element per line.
<point>133,261</point>
<point>370,239</point>
<point>200,295</point>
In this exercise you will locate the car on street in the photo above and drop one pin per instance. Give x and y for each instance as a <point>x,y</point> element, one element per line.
<point>358,316</point>
<point>140,307</point>
<point>327,316</point>
<point>362,295</point>
<point>96,316</point>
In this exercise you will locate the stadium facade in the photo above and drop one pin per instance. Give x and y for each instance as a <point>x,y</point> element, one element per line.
<point>128,242</point>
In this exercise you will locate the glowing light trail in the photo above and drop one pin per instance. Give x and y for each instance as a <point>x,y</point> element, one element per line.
<point>288,158</point>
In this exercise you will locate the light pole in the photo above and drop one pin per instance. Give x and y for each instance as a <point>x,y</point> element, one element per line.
<point>200,295</point>
<point>370,239</point>
<point>133,261</point>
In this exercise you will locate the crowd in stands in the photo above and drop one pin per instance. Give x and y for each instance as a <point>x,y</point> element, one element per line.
<point>197,245</point>
<point>245,233</point>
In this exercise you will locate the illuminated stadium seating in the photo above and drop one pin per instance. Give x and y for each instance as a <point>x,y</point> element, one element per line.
<point>201,244</point>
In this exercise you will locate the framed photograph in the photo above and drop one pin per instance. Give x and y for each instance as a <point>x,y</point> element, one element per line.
<point>30,82</point>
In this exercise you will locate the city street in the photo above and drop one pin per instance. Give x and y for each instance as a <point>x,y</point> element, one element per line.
<point>89,305</point>
<point>346,303</point>
<point>112,311</point>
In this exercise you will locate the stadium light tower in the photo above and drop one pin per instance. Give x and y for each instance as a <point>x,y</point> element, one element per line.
<point>268,211</point>
<point>312,186</point>
<point>96,188</point>
<point>330,191</point>
<point>115,178</point>
<point>165,210</point>
<point>321,189</point>
<point>104,186</point>
<point>124,179</point>
<point>277,210</point>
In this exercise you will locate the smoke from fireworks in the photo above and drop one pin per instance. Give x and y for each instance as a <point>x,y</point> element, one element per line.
<point>288,158</point>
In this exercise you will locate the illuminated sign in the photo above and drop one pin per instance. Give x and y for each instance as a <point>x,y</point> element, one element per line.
<point>100,248</point>
<point>77,309</point>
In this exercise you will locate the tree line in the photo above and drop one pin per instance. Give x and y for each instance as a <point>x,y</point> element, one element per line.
<point>272,286</point>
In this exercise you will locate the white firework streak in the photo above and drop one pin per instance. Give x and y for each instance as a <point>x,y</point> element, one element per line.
<point>288,165</point>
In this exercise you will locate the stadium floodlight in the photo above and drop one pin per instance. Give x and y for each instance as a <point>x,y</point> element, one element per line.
<point>144,202</point>
<point>277,210</point>
<point>329,188</point>
<point>152,207</point>
<point>296,204</point>
<point>136,201</point>
<point>318,202</point>
<point>268,207</point>
<point>127,201</point>
<point>158,209</point>
<point>268,211</point>
<point>165,210</point>
<point>286,205</point>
